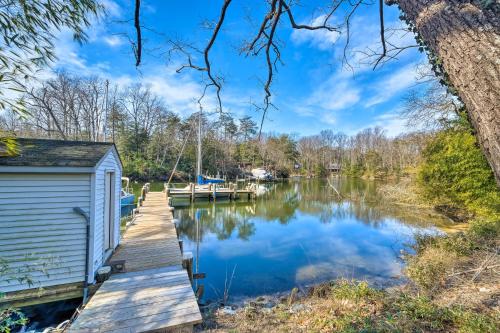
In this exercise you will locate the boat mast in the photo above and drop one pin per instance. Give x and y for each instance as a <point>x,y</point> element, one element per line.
<point>198,157</point>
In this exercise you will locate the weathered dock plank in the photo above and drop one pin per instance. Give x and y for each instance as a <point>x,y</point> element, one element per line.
<point>154,293</point>
<point>152,240</point>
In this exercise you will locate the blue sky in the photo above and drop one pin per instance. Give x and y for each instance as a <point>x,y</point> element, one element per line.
<point>312,90</point>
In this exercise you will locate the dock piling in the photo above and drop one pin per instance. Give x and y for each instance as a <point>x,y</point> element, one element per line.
<point>187,264</point>
<point>181,244</point>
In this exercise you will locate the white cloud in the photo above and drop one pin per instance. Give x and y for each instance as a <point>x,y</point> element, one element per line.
<point>392,84</point>
<point>329,118</point>
<point>179,91</point>
<point>68,57</point>
<point>180,94</point>
<point>65,50</point>
<point>321,39</point>
<point>112,8</point>
<point>336,93</point>
<point>344,89</point>
<point>113,40</point>
<point>392,123</point>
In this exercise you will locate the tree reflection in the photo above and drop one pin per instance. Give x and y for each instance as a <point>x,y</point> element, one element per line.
<point>358,201</point>
<point>220,219</point>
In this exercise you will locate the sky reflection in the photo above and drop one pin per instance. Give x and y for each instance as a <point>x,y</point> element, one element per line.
<point>299,234</point>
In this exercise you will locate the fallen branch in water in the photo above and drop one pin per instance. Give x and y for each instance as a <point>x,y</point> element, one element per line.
<point>331,185</point>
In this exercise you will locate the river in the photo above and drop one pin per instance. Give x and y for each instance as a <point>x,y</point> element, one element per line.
<point>298,233</point>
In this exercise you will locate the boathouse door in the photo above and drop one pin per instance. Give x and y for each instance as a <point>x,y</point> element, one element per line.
<point>109,211</point>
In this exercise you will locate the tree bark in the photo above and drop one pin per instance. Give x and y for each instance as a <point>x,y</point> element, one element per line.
<point>466,38</point>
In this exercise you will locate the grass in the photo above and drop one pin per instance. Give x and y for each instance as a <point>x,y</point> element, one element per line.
<point>430,268</point>
<point>439,258</point>
<point>124,222</point>
<point>352,306</point>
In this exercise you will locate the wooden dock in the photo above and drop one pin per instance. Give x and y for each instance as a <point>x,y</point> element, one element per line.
<point>212,192</point>
<point>154,292</point>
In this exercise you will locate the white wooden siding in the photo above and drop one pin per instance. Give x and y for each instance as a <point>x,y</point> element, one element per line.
<point>39,230</point>
<point>110,162</point>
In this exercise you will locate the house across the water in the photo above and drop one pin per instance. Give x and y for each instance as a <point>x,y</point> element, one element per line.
<point>334,167</point>
<point>59,217</point>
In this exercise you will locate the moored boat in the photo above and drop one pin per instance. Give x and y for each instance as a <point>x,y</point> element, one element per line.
<point>126,198</point>
<point>261,174</point>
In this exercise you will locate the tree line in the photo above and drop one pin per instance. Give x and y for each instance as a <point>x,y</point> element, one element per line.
<point>150,136</point>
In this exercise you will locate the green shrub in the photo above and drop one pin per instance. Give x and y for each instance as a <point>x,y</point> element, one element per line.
<point>485,229</point>
<point>470,322</point>
<point>455,172</point>
<point>419,314</point>
<point>11,319</point>
<point>429,268</point>
<point>409,313</point>
<point>353,290</point>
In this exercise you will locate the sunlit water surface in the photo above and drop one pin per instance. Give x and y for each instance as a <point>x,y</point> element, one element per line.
<point>299,233</point>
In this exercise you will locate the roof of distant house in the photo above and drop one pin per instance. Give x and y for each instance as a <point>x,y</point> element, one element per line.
<point>57,153</point>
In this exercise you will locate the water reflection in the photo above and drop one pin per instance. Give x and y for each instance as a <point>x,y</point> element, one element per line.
<point>297,233</point>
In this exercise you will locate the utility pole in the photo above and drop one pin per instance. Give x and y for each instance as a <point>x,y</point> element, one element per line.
<point>198,161</point>
<point>106,111</point>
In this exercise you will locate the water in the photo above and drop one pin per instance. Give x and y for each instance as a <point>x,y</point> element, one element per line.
<point>299,233</point>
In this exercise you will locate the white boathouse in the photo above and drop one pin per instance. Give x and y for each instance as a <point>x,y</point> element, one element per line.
<point>59,216</point>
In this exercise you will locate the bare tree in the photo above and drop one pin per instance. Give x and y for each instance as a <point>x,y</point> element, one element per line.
<point>69,107</point>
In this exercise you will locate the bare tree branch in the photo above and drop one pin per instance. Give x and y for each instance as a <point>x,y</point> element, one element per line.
<point>137,47</point>
<point>209,46</point>
<point>382,33</point>
<point>323,26</point>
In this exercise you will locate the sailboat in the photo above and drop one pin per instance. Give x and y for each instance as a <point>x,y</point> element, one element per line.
<point>203,182</point>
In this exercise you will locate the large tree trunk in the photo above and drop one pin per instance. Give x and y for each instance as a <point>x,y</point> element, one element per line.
<point>466,38</point>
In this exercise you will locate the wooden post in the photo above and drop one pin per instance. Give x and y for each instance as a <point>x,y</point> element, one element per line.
<point>181,245</point>
<point>193,191</point>
<point>199,292</point>
<point>187,264</point>
<point>210,191</point>
<point>176,225</point>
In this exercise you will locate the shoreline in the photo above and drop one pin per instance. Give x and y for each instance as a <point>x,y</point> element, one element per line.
<point>302,291</point>
<point>350,306</point>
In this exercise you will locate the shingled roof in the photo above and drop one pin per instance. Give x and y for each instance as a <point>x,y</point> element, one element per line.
<point>48,153</point>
